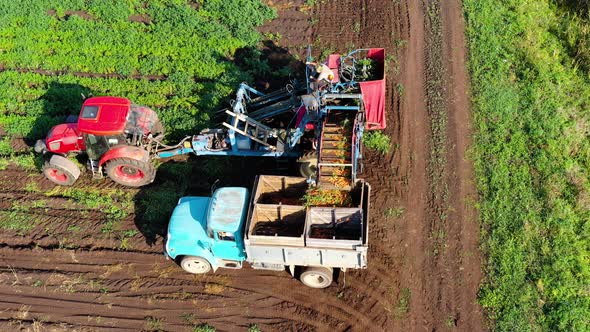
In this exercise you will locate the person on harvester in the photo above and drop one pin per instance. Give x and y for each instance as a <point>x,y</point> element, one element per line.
<point>320,75</point>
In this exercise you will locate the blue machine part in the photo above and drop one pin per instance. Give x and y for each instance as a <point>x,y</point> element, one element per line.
<point>200,149</point>
<point>210,228</point>
<point>177,152</point>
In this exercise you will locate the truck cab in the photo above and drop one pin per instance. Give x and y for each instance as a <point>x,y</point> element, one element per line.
<point>207,233</point>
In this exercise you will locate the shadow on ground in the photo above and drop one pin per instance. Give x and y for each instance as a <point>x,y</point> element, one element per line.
<point>270,68</point>
<point>60,101</point>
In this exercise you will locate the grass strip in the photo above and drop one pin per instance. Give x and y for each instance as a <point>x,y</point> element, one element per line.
<point>532,159</point>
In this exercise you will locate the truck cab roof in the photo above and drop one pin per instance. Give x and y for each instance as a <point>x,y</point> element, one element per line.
<point>227,209</point>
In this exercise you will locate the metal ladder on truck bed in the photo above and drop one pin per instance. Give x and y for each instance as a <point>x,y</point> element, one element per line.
<point>256,131</point>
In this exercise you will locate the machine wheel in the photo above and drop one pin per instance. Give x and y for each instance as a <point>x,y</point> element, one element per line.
<point>130,172</point>
<point>316,277</point>
<point>195,264</point>
<point>61,170</point>
<point>308,164</point>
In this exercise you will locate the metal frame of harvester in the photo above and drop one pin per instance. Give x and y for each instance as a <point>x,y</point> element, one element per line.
<point>349,97</point>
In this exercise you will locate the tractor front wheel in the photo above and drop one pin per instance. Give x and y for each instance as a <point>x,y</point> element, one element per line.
<point>61,170</point>
<point>130,172</point>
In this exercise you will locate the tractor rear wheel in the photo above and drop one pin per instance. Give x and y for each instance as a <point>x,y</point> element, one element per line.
<point>308,164</point>
<point>130,172</point>
<point>316,277</point>
<point>60,170</point>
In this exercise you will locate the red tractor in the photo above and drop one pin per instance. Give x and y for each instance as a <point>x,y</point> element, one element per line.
<point>115,134</point>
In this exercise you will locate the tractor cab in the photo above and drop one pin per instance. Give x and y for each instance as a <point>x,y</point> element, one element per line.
<point>113,133</point>
<point>106,122</point>
<point>102,123</point>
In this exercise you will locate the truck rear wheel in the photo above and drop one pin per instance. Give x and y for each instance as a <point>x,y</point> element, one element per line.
<point>61,170</point>
<point>195,264</point>
<point>130,172</point>
<point>317,277</point>
<point>308,164</point>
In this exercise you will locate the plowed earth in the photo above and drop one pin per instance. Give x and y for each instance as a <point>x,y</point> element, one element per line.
<point>66,273</point>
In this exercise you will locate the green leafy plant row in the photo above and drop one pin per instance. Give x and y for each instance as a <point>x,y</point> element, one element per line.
<point>128,37</point>
<point>176,57</point>
<point>31,103</point>
<point>532,155</point>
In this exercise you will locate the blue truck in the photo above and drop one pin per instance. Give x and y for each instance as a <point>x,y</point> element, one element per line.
<point>271,229</point>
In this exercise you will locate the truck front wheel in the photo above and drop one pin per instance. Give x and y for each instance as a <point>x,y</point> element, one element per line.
<point>317,277</point>
<point>195,264</point>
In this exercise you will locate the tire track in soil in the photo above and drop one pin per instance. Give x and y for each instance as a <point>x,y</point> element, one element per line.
<point>376,291</point>
<point>423,250</point>
<point>90,265</point>
<point>64,278</point>
<point>463,253</point>
<point>453,304</point>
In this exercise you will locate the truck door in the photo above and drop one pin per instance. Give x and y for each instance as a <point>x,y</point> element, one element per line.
<point>226,247</point>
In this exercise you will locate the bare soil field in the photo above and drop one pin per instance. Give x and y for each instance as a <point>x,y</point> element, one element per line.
<point>66,273</point>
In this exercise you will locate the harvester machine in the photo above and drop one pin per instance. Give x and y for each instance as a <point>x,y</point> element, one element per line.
<point>320,124</point>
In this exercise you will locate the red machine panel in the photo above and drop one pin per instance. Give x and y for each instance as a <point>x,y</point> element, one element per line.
<point>374,93</point>
<point>65,138</point>
<point>104,115</point>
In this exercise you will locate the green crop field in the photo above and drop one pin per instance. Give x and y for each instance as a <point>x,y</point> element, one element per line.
<point>529,63</point>
<point>177,57</point>
<point>174,56</point>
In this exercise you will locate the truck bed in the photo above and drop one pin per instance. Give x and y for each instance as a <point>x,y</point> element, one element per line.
<point>272,189</point>
<point>279,235</point>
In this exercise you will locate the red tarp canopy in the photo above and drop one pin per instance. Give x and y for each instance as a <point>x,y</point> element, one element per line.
<point>374,92</point>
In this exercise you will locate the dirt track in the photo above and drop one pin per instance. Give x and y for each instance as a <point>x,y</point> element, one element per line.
<point>424,266</point>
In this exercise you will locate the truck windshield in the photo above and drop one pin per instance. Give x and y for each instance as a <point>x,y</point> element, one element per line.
<point>226,236</point>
